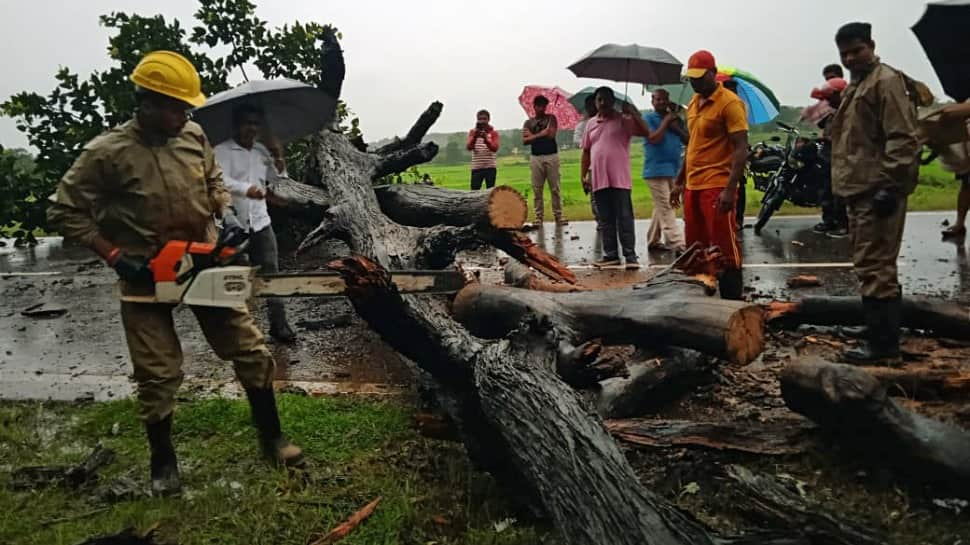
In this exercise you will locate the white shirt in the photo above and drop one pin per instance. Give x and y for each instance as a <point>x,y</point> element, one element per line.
<point>579,131</point>
<point>241,169</point>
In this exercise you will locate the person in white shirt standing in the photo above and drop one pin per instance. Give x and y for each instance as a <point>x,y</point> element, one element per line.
<point>247,168</point>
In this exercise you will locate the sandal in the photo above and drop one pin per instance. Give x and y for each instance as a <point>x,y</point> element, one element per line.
<point>954,231</point>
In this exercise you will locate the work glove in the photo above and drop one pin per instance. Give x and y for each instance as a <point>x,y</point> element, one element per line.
<point>884,203</point>
<point>132,268</point>
<point>233,233</point>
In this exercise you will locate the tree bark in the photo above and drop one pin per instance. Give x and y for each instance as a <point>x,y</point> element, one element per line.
<point>669,313</point>
<point>426,206</point>
<point>518,275</point>
<point>917,382</point>
<point>653,382</point>
<point>945,318</point>
<point>771,438</point>
<point>854,406</point>
<point>766,501</point>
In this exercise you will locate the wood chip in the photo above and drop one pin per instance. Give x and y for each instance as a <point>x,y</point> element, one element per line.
<point>804,281</point>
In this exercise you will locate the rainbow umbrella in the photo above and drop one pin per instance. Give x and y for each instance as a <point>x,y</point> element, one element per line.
<point>760,102</point>
<point>566,115</point>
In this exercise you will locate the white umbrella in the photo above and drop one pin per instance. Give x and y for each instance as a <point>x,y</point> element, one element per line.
<point>292,109</point>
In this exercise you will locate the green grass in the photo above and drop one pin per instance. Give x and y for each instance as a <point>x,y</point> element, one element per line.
<point>937,189</point>
<point>358,450</point>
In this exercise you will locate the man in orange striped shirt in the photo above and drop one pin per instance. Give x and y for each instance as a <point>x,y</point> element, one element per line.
<point>708,181</point>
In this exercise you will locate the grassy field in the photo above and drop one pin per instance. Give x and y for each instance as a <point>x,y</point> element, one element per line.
<point>937,189</point>
<point>358,450</point>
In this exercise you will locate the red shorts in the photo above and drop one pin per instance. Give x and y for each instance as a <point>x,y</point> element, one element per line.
<point>705,224</point>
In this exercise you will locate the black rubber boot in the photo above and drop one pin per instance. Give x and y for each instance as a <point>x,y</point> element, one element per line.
<point>279,328</point>
<point>164,465</point>
<point>881,344</point>
<point>731,285</point>
<point>275,446</point>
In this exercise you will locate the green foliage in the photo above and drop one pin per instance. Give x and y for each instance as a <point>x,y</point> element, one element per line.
<point>358,449</point>
<point>79,108</point>
<point>22,195</point>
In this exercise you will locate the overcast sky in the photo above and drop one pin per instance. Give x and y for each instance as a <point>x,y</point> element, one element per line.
<point>401,55</point>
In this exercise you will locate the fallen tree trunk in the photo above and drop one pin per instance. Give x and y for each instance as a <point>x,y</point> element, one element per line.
<point>653,383</point>
<point>854,406</point>
<point>514,414</point>
<point>945,318</point>
<point>772,438</point>
<point>501,207</point>
<point>670,313</point>
<point>767,501</point>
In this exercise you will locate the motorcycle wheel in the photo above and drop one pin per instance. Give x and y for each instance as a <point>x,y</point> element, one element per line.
<point>769,206</point>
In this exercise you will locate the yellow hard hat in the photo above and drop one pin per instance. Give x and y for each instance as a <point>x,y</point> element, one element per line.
<point>169,74</point>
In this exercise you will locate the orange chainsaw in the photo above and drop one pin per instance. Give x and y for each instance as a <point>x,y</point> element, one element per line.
<point>216,275</point>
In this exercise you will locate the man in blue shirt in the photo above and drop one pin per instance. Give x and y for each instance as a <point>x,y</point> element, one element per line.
<point>662,152</point>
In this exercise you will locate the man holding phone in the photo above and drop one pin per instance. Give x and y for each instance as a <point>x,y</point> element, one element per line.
<point>483,143</point>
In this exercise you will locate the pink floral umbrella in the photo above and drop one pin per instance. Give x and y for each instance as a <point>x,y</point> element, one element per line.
<point>566,115</point>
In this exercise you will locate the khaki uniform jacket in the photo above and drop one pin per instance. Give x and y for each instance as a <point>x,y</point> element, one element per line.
<point>137,196</point>
<point>874,136</point>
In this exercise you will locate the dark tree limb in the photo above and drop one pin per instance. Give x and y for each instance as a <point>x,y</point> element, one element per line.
<point>921,382</point>
<point>417,132</point>
<point>767,501</point>
<point>654,382</point>
<point>854,406</point>
<point>332,67</point>
<point>403,159</point>
<point>945,318</point>
<point>767,438</point>
<point>518,275</point>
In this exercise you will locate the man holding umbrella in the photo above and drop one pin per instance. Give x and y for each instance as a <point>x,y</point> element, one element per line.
<point>717,151</point>
<point>136,187</point>
<point>248,168</point>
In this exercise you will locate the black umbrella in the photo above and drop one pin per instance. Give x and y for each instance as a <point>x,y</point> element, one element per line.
<point>943,31</point>
<point>629,63</point>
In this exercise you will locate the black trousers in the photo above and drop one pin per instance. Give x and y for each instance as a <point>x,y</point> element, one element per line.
<point>615,207</point>
<point>483,174</point>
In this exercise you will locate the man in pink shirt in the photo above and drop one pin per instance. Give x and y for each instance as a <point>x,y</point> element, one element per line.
<point>606,156</point>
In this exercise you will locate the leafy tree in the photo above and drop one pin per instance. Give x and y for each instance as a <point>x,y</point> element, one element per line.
<point>22,195</point>
<point>79,108</point>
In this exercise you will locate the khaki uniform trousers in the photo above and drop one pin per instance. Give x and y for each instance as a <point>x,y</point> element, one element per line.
<point>875,246</point>
<point>156,353</point>
<point>545,167</point>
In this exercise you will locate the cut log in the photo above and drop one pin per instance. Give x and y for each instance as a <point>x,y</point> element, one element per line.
<point>670,313</point>
<point>653,383</point>
<point>767,501</point>
<point>853,405</point>
<point>521,248</point>
<point>501,207</point>
<point>945,318</point>
<point>788,436</point>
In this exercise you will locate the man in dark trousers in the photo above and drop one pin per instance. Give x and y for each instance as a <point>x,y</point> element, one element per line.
<point>248,169</point>
<point>483,143</point>
<point>875,166</point>
<point>834,222</point>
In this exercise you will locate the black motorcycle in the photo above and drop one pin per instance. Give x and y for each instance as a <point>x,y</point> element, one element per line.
<point>798,178</point>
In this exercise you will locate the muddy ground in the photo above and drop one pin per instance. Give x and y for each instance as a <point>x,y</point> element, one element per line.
<point>80,354</point>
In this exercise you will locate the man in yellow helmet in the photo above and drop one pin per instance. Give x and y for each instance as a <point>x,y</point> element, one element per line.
<point>134,188</point>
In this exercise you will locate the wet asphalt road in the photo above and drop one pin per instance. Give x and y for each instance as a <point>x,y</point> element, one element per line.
<point>83,354</point>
